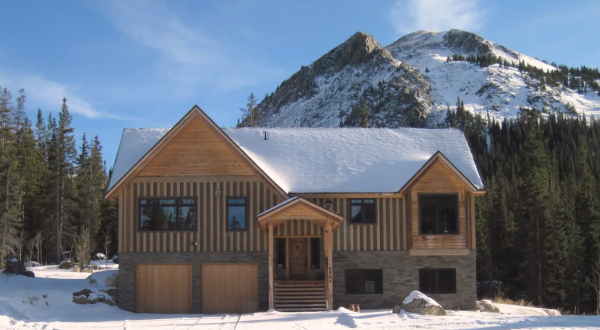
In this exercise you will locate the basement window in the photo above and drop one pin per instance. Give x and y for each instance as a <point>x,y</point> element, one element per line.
<point>167,214</point>
<point>438,214</point>
<point>236,213</point>
<point>362,210</point>
<point>437,281</point>
<point>364,281</point>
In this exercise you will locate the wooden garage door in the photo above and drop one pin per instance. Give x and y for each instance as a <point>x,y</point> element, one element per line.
<point>163,289</point>
<point>229,288</point>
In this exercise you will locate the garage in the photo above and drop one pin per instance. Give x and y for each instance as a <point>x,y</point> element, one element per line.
<point>229,288</point>
<point>163,289</point>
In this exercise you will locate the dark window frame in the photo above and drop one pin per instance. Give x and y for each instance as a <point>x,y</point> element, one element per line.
<point>362,204</point>
<point>227,205</point>
<point>380,271</point>
<point>437,280</point>
<point>457,233</point>
<point>195,208</point>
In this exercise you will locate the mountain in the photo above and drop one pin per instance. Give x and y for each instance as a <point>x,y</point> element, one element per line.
<point>328,91</point>
<point>412,83</point>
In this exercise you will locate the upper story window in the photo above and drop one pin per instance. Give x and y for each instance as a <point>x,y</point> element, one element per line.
<point>362,210</point>
<point>438,214</point>
<point>236,213</point>
<point>167,214</point>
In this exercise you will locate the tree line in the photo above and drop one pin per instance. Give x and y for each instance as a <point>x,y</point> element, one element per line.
<point>538,226</point>
<point>51,195</point>
<point>579,79</point>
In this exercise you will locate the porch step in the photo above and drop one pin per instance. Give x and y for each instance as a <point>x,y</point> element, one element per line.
<point>299,296</point>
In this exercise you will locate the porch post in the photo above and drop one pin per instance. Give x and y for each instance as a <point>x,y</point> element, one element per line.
<point>271,248</point>
<point>328,256</point>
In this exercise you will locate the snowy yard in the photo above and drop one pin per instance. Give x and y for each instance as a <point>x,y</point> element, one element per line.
<point>45,302</point>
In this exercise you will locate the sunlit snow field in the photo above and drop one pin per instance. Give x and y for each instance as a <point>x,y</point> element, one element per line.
<point>45,302</point>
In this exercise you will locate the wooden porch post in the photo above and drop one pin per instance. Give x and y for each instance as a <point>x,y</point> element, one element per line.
<point>328,256</point>
<point>271,248</point>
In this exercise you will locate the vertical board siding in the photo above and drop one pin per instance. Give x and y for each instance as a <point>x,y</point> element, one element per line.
<point>211,212</point>
<point>212,236</point>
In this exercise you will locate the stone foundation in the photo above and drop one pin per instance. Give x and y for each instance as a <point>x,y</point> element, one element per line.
<point>401,276</point>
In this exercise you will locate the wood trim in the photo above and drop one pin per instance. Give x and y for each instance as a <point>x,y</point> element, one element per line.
<point>437,157</point>
<point>404,224</point>
<point>472,223</point>
<point>329,270</point>
<point>347,195</point>
<point>438,252</point>
<point>320,211</point>
<point>271,286</point>
<point>194,112</point>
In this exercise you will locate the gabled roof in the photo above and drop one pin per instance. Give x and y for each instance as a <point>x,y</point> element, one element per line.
<point>139,146</point>
<point>300,208</point>
<point>329,160</point>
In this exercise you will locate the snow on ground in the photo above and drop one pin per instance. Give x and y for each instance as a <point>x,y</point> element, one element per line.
<point>44,302</point>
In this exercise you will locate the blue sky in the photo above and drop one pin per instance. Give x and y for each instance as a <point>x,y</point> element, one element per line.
<point>146,63</point>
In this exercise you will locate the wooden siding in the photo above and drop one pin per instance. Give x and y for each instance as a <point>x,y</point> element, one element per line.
<point>197,150</point>
<point>438,179</point>
<point>163,289</point>
<point>229,288</point>
<point>211,211</point>
<point>298,228</point>
<point>385,234</point>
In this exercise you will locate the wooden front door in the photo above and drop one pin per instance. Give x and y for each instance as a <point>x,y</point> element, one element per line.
<point>298,258</point>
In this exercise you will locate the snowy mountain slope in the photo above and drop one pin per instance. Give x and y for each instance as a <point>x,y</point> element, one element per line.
<point>500,90</point>
<point>328,91</point>
<point>410,83</point>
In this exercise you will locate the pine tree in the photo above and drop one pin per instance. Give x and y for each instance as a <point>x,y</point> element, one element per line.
<point>251,114</point>
<point>364,114</point>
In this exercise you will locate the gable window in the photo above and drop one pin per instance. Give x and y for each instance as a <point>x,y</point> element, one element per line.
<point>236,213</point>
<point>362,210</point>
<point>364,281</point>
<point>438,214</point>
<point>167,214</point>
<point>437,280</point>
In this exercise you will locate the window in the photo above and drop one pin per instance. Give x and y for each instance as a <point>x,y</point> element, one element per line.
<point>437,280</point>
<point>315,253</point>
<point>362,210</point>
<point>236,213</point>
<point>280,252</point>
<point>438,214</point>
<point>167,214</point>
<point>364,281</point>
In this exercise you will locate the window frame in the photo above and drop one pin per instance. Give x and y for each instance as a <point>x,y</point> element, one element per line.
<point>318,253</point>
<point>363,281</point>
<point>245,213</point>
<point>437,280</point>
<point>195,207</point>
<point>362,203</point>
<point>277,256</point>
<point>457,213</point>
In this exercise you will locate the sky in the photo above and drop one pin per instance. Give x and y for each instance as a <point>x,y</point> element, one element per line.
<point>145,63</point>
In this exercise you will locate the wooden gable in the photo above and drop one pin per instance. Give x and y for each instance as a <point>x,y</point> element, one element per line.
<point>197,150</point>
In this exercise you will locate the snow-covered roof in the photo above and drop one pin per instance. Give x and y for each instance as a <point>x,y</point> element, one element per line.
<point>328,160</point>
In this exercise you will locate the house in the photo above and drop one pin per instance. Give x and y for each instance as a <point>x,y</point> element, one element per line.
<point>235,220</point>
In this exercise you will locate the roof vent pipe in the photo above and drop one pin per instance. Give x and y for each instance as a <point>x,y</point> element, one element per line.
<point>266,135</point>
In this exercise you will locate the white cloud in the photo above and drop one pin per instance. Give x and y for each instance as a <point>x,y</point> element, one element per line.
<point>48,94</point>
<point>436,15</point>
<point>190,55</point>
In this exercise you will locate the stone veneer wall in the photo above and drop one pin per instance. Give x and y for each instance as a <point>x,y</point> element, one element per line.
<point>126,280</point>
<point>401,276</point>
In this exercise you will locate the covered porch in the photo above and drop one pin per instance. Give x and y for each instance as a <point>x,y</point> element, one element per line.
<point>300,236</point>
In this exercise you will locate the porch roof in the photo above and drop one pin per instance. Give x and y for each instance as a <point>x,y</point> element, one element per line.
<point>298,208</point>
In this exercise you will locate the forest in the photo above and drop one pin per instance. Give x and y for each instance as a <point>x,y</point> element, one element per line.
<point>538,226</point>
<point>52,188</point>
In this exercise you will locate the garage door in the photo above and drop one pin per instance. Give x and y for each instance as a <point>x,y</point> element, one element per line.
<point>229,288</point>
<point>163,289</point>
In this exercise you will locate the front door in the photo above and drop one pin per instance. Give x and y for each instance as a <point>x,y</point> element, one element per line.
<point>298,258</point>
